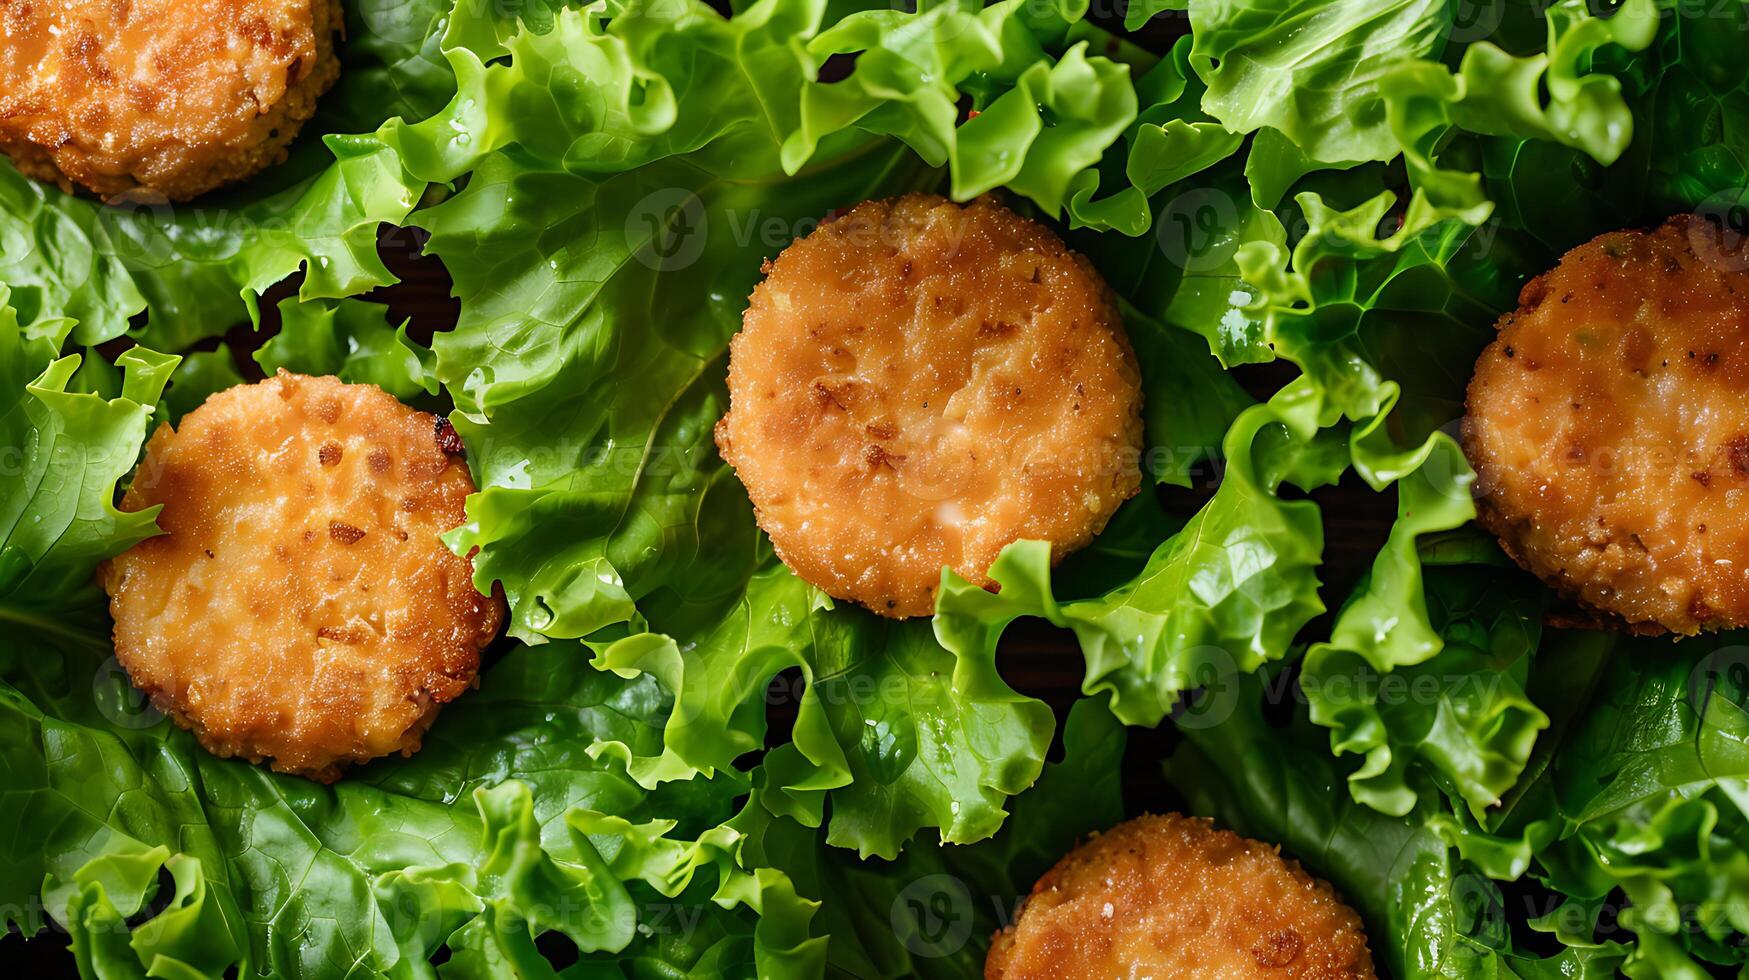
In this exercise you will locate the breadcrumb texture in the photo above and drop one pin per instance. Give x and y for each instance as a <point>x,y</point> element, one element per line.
<point>299,606</point>
<point>1172,897</point>
<point>1609,427</point>
<point>159,99</point>
<point>917,384</point>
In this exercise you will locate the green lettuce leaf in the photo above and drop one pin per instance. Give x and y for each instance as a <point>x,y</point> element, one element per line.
<point>1039,121</point>
<point>1552,96</point>
<point>1428,912</point>
<point>1314,72</point>
<point>902,735</point>
<point>1232,587</point>
<point>1171,140</point>
<point>1007,95</point>
<point>65,451</point>
<point>503,830</point>
<point>1345,286</point>
<point>1624,828</point>
<point>351,340</point>
<point>394,64</point>
<point>932,911</point>
<point>198,376</point>
<point>1365,283</point>
<point>1640,788</point>
<point>1692,91</point>
<point>1191,278</point>
<point>1187,427</point>
<point>1688,150</point>
<point>1402,688</point>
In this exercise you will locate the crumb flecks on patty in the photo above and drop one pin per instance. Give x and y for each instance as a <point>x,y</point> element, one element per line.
<point>917,384</point>
<point>1609,427</point>
<point>1171,896</point>
<point>299,605</point>
<point>159,99</point>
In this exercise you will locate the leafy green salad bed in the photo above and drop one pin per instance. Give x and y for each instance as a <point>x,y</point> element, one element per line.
<point>1357,189</point>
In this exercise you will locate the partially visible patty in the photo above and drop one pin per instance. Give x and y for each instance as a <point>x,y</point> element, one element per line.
<point>159,99</point>
<point>1173,897</point>
<point>1609,426</point>
<point>299,605</point>
<point>918,383</point>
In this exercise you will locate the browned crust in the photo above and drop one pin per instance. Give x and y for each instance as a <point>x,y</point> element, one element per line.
<point>919,383</point>
<point>299,607</point>
<point>56,153</point>
<point>1640,331</point>
<point>1580,615</point>
<point>1175,896</point>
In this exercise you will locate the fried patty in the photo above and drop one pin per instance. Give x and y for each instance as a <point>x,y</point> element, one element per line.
<point>159,99</point>
<point>917,384</point>
<point>1609,427</point>
<point>299,605</point>
<point>1172,897</point>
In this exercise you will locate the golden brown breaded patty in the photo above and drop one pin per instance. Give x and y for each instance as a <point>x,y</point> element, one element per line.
<point>917,384</point>
<point>1609,426</point>
<point>159,99</point>
<point>299,605</point>
<point>1171,897</point>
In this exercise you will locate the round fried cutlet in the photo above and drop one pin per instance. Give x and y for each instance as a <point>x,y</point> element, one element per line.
<point>299,605</point>
<point>159,99</point>
<point>1171,896</point>
<point>1609,427</point>
<point>917,384</point>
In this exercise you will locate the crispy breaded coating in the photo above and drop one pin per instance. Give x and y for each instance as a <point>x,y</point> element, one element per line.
<point>299,605</point>
<point>159,99</point>
<point>917,384</point>
<point>1171,897</point>
<point>1609,427</point>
